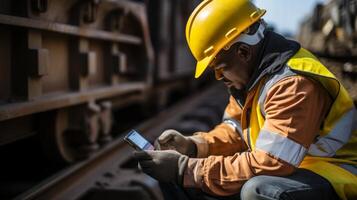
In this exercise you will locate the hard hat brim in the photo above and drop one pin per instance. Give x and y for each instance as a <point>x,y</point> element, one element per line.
<point>202,65</point>
<point>230,33</point>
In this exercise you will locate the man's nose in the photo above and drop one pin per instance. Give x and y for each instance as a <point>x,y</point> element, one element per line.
<point>218,71</point>
<point>218,74</point>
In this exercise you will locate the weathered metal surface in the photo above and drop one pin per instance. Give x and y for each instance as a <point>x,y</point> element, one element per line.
<point>5,63</point>
<point>112,172</point>
<point>68,29</point>
<point>58,56</point>
<point>105,122</point>
<point>65,68</point>
<point>173,58</point>
<point>19,128</point>
<point>64,99</point>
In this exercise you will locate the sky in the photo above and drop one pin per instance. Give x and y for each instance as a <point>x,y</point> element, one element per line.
<point>286,15</point>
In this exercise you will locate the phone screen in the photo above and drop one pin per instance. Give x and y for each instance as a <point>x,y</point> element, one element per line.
<point>138,141</point>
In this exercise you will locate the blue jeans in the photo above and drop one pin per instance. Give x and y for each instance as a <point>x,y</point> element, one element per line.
<point>303,184</point>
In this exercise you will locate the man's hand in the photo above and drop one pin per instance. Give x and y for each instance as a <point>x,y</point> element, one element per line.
<point>164,166</point>
<point>172,139</point>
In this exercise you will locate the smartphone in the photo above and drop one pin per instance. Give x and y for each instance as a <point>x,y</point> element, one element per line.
<point>137,141</point>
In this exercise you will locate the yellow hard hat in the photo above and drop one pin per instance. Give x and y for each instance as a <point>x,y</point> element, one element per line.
<point>216,23</point>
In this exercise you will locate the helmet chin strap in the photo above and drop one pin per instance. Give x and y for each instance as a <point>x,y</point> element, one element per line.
<point>249,39</point>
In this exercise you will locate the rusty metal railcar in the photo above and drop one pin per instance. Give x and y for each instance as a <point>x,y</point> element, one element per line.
<point>65,65</point>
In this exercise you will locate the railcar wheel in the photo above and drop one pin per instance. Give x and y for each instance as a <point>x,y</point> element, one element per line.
<point>62,142</point>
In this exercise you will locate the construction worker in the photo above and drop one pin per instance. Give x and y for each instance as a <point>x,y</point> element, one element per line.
<point>288,131</point>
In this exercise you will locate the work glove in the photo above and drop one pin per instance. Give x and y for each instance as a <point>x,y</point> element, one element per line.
<point>172,139</point>
<point>164,166</point>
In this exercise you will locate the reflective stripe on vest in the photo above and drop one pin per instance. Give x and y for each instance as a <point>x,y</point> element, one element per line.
<point>325,146</point>
<point>350,168</point>
<point>281,147</point>
<point>230,120</point>
<point>339,120</point>
<point>328,145</point>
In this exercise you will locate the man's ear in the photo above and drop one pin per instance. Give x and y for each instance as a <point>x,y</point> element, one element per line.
<point>244,52</point>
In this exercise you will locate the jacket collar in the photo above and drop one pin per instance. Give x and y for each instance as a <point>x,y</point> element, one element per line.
<point>274,54</point>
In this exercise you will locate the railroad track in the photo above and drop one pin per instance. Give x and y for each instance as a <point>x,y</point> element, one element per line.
<point>112,173</point>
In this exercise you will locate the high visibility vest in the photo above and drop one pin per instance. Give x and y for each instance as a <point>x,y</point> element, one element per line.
<point>336,144</point>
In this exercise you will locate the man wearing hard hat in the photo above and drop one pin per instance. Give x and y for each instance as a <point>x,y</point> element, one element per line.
<point>289,130</point>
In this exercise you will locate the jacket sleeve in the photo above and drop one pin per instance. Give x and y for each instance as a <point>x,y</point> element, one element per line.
<point>225,139</point>
<point>295,108</point>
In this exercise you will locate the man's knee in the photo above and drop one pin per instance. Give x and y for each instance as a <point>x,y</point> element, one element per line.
<point>260,187</point>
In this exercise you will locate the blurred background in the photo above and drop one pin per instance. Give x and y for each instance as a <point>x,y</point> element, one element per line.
<point>77,75</point>
<point>286,16</point>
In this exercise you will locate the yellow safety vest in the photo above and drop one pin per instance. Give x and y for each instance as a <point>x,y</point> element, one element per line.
<point>320,159</point>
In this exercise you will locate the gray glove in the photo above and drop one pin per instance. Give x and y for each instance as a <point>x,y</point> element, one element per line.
<point>164,166</point>
<point>172,139</point>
